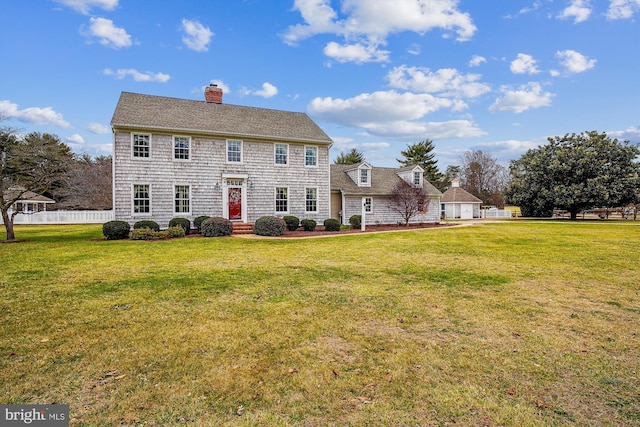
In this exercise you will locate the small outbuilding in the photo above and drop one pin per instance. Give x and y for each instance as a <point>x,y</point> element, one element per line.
<point>457,203</point>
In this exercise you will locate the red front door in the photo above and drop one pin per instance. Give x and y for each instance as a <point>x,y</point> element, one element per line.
<point>235,203</point>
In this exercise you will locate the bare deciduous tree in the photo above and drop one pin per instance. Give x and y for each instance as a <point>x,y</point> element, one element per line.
<point>89,184</point>
<point>482,176</point>
<point>408,200</point>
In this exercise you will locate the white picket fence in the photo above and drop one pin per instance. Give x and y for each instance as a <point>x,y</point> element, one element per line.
<point>497,213</point>
<point>64,217</point>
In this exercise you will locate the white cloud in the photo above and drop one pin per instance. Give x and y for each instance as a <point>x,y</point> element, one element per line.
<point>414,49</point>
<point>373,146</point>
<point>357,53</point>
<point>623,9</point>
<point>98,128</point>
<point>373,20</point>
<point>524,64</point>
<point>76,138</point>
<point>268,90</point>
<point>222,85</point>
<point>35,115</point>
<point>575,62</point>
<point>197,36</point>
<point>108,34</point>
<point>579,10</point>
<point>524,98</point>
<point>476,60</point>
<point>446,81</point>
<point>631,134</point>
<point>137,75</point>
<point>84,6</point>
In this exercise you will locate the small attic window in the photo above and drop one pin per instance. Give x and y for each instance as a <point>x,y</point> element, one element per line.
<point>417,178</point>
<point>364,176</point>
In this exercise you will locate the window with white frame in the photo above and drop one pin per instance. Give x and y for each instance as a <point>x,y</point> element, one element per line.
<point>368,202</point>
<point>311,156</point>
<point>311,204</point>
<point>181,147</point>
<point>417,178</point>
<point>281,154</point>
<point>282,199</point>
<point>364,176</point>
<point>140,145</point>
<point>234,151</point>
<point>182,199</point>
<point>141,199</point>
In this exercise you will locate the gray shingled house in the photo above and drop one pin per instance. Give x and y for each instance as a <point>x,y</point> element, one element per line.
<point>457,203</point>
<point>364,188</point>
<point>184,158</point>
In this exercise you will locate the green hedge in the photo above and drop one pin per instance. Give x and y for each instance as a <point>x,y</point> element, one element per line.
<point>308,224</point>
<point>293,222</point>
<point>331,224</point>
<point>181,222</point>
<point>216,227</point>
<point>269,226</point>
<point>115,230</point>
<point>147,223</point>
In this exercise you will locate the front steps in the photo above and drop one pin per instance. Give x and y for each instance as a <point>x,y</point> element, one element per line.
<point>242,228</point>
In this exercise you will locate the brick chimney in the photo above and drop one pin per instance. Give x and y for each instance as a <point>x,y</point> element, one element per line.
<point>213,94</point>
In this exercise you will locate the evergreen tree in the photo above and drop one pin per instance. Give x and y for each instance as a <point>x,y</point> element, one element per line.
<point>353,157</point>
<point>422,154</point>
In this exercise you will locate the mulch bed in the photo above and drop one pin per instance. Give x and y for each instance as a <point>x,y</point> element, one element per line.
<point>319,231</point>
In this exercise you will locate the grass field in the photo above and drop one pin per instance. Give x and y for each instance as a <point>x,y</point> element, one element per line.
<point>500,324</point>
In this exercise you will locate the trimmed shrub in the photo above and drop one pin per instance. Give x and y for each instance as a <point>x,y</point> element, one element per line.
<point>269,226</point>
<point>175,231</point>
<point>182,222</point>
<point>293,222</point>
<point>197,221</point>
<point>115,230</point>
<point>355,221</point>
<point>308,224</point>
<point>146,234</point>
<point>215,227</point>
<point>331,224</point>
<point>147,223</point>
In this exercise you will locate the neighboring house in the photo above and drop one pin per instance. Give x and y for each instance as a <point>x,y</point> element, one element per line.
<point>457,203</point>
<point>363,188</point>
<point>28,202</point>
<point>186,158</point>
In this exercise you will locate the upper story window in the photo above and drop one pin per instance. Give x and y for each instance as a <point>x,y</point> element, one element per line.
<point>417,178</point>
<point>140,145</point>
<point>141,199</point>
<point>311,156</point>
<point>282,199</point>
<point>281,154</point>
<point>234,151</point>
<point>364,176</point>
<point>181,147</point>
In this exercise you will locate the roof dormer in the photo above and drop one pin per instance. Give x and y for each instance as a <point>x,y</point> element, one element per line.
<point>361,174</point>
<point>413,175</point>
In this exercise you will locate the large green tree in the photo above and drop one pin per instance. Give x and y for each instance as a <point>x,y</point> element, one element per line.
<point>352,157</point>
<point>421,153</point>
<point>575,172</point>
<point>37,162</point>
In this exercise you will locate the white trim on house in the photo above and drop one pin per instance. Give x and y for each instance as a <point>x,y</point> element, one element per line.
<point>275,198</point>
<point>238,180</point>
<point>188,149</point>
<point>133,210</point>
<point>315,156</point>
<point>189,199</point>
<point>134,157</point>
<point>275,154</point>
<point>227,152</point>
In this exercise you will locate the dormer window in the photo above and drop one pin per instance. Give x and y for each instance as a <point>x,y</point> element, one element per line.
<point>417,179</point>
<point>364,176</point>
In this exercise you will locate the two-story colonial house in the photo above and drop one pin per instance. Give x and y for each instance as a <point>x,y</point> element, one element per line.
<point>363,189</point>
<point>184,158</point>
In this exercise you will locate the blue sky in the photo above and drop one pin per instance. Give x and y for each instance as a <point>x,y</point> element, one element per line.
<point>496,75</point>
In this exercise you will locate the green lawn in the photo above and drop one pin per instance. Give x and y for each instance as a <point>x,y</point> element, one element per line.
<point>506,323</point>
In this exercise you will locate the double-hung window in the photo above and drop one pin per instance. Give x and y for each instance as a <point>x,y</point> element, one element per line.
<point>311,156</point>
<point>368,201</point>
<point>141,199</point>
<point>364,176</point>
<point>281,154</point>
<point>417,179</point>
<point>141,145</point>
<point>181,148</point>
<point>182,199</point>
<point>282,199</point>
<point>311,204</point>
<point>234,151</point>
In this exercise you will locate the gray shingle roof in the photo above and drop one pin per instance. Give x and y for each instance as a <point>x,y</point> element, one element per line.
<point>458,195</point>
<point>382,181</point>
<point>148,112</point>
